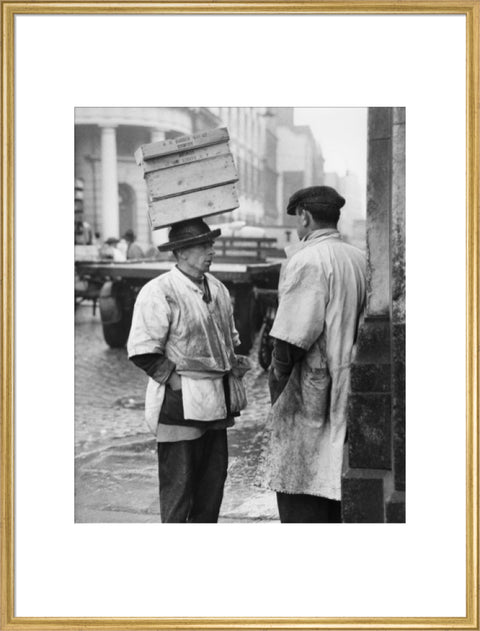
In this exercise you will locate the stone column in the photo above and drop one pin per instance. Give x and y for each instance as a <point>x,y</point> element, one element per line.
<point>110,218</point>
<point>370,401</point>
<point>378,210</point>
<point>373,479</point>
<point>157,135</point>
<point>395,508</point>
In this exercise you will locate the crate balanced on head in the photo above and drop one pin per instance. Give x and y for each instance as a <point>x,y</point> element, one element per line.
<point>185,183</point>
<point>183,333</point>
<point>189,177</point>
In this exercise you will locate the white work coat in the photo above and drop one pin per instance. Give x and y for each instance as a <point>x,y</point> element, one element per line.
<point>321,297</point>
<point>170,317</point>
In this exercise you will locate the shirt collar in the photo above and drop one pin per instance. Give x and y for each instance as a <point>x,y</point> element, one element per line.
<point>311,239</point>
<point>322,232</point>
<point>186,279</point>
<point>197,281</point>
<point>199,285</point>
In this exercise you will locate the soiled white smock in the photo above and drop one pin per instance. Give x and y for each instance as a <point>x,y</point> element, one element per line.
<point>170,317</point>
<point>321,297</point>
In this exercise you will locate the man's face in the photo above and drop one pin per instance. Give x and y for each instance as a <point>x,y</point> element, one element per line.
<point>197,259</point>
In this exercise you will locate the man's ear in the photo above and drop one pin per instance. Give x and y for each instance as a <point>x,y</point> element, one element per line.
<point>306,218</point>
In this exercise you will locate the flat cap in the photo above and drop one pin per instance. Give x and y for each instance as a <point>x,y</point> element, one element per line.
<point>316,199</point>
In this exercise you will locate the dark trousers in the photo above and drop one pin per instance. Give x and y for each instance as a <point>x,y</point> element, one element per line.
<point>308,509</point>
<point>192,475</point>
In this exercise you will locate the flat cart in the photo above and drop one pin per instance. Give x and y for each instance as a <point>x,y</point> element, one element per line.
<point>117,286</point>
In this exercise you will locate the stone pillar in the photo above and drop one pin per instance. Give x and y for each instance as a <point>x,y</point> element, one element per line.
<point>157,135</point>
<point>374,463</point>
<point>395,509</point>
<point>110,219</point>
<point>379,190</point>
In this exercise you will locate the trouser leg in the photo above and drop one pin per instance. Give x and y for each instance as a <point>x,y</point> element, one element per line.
<point>176,466</point>
<point>211,476</point>
<point>334,512</point>
<point>192,475</point>
<point>304,509</point>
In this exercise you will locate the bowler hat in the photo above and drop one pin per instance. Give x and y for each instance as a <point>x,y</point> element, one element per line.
<point>185,234</point>
<point>316,199</point>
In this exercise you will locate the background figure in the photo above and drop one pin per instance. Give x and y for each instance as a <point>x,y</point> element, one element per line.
<point>133,250</point>
<point>83,233</point>
<point>321,297</point>
<point>110,250</point>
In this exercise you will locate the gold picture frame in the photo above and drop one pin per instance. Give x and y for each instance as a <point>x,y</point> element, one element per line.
<point>468,8</point>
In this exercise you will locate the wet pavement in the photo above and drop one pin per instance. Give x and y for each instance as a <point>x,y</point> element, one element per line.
<point>115,455</point>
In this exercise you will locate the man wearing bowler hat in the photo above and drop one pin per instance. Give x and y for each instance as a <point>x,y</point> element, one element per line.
<point>183,336</point>
<point>321,298</point>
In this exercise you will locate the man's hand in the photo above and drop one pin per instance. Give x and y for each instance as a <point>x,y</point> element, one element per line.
<point>175,381</point>
<point>276,384</point>
<point>276,373</point>
<point>241,366</point>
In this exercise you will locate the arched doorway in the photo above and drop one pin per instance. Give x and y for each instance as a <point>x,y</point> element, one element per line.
<point>127,207</point>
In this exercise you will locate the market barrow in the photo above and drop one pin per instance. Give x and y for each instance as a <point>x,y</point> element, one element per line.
<point>116,286</point>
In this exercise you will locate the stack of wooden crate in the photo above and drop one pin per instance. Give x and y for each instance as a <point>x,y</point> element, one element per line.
<point>188,177</point>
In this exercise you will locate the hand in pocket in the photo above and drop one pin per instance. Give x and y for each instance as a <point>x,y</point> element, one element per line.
<point>175,381</point>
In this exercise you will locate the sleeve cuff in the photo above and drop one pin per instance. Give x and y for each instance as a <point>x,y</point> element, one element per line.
<point>144,349</point>
<point>162,371</point>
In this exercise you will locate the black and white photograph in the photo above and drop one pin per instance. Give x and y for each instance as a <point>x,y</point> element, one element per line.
<point>265,323</point>
<point>239,314</point>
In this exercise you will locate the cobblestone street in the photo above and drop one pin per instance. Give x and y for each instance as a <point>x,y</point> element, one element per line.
<point>115,455</point>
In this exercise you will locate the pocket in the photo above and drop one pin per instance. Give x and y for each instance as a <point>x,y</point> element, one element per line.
<point>172,408</point>
<point>316,391</point>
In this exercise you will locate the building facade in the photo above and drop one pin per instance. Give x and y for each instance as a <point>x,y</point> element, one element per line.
<point>273,158</point>
<point>114,192</point>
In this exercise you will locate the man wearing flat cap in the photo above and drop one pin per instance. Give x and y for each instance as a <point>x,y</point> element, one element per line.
<point>321,298</point>
<point>183,336</point>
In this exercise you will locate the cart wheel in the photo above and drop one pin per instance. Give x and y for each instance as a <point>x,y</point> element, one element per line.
<point>116,309</point>
<point>244,321</point>
<point>116,334</point>
<point>257,314</point>
<point>266,345</point>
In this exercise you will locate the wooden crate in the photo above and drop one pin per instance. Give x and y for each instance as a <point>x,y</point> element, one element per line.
<point>194,176</point>
<point>184,157</point>
<point>209,201</point>
<point>189,177</point>
<point>182,143</point>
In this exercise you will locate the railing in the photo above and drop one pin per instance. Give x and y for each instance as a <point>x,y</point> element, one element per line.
<point>230,249</point>
<point>247,248</point>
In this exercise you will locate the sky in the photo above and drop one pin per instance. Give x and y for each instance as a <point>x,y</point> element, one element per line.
<point>342,135</point>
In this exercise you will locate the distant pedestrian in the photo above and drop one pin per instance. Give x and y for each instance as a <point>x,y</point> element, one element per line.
<point>183,336</point>
<point>83,233</point>
<point>110,250</point>
<point>133,250</point>
<point>321,298</point>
